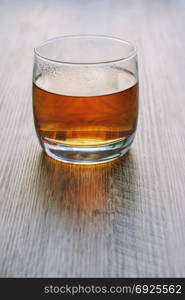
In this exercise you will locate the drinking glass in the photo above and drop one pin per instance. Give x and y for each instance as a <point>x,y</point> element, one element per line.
<point>85,97</point>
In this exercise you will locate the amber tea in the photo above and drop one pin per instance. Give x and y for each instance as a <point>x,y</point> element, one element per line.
<point>84,116</point>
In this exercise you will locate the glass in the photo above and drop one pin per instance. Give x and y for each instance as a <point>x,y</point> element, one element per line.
<point>85,97</point>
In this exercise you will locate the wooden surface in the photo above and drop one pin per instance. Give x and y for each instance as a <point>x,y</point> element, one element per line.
<point>123,219</point>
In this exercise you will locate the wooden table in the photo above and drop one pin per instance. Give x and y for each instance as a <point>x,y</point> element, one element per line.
<point>123,219</point>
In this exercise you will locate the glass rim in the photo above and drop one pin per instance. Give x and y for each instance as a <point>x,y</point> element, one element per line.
<point>132,53</point>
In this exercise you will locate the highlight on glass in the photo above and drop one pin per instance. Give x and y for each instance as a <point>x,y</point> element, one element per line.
<point>85,97</point>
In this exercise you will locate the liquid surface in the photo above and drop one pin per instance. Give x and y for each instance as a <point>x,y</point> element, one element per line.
<point>90,108</point>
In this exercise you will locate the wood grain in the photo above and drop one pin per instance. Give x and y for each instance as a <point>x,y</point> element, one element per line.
<point>123,219</point>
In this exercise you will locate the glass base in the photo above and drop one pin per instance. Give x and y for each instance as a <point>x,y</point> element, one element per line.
<point>87,155</point>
